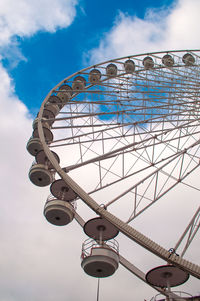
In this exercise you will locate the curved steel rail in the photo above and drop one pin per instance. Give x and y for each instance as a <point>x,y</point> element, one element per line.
<point>126,229</point>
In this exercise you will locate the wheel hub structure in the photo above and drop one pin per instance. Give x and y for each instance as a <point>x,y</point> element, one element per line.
<point>127,133</point>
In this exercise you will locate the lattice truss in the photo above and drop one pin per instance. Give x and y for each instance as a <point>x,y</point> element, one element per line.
<point>134,136</point>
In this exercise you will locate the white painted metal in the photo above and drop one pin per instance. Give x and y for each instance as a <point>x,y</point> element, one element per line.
<point>167,276</point>
<point>94,76</point>
<point>128,265</point>
<point>190,232</point>
<point>34,146</point>
<point>54,99</point>
<point>111,70</point>
<point>54,108</point>
<point>188,59</point>
<point>65,93</point>
<point>100,229</point>
<point>47,133</point>
<point>60,190</point>
<point>41,158</point>
<point>40,175</point>
<point>148,62</point>
<point>179,296</point>
<point>129,66</point>
<point>168,60</point>
<point>79,83</point>
<point>58,212</point>
<point>147,121</point>
<point>44,122</point>
<point>100,260</point>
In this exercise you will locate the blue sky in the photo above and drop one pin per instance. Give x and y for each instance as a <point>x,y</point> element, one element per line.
<point>42,42</point>
<point>49,57</point>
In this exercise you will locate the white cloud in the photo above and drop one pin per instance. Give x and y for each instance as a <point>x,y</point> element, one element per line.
<point>28,243</point>
<point>39,261</point>
<point>25,17</point>
<point>168,28</point>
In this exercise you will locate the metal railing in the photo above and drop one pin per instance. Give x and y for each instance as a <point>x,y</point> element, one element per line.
<point>182,295</point>
<point>53,198</point>
<point>89,244</point>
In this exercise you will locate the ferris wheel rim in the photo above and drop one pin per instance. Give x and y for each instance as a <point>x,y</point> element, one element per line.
<point>96,207</point>
<point>112,60</point>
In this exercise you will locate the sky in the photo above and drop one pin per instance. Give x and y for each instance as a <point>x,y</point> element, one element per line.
<point>42,42</point>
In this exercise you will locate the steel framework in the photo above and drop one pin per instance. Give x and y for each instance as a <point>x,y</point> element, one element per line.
<point>128,136</point>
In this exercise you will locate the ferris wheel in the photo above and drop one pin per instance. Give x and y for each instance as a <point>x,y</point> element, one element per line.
<point>119,136</point>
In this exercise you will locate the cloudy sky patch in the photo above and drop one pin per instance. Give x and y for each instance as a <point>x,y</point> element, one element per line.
<point>39,261</point>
